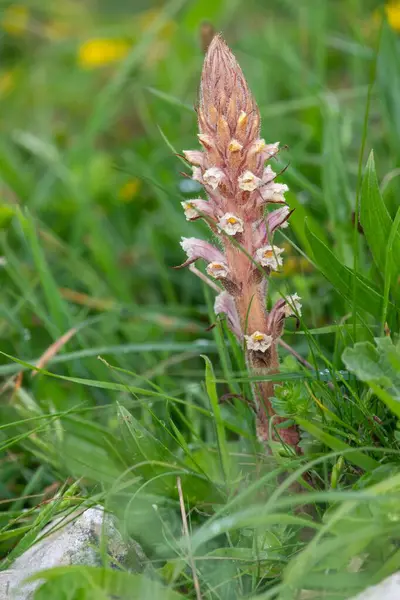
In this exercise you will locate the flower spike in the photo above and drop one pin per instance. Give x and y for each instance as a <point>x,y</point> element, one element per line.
<point>231,166</point>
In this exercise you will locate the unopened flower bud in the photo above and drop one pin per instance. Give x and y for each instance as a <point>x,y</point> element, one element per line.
<point>234,146</point>
<point>194,157</point>
<point>206,140</point>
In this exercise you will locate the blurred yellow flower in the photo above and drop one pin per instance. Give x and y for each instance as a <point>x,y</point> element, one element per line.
<point>293,265</point>
<point>102,51</point>
<point>7,81</point>
<point>392,10</point>
<point>15,19</point>
<point>129,190</point>
<point>296,265</point>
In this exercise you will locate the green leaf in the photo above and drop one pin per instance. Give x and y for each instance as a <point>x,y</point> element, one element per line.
<point>56,306</point>
<point>376,221</point>
<point>219,424</point>
<point>91,583</point>
<point>341,277</point>
<point>379,366</point>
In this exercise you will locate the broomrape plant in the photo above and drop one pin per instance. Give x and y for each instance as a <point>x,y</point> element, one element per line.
<point>239,185</point>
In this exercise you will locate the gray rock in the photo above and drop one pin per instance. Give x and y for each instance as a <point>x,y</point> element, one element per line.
<point>71,540</point>
<point>388,589</point>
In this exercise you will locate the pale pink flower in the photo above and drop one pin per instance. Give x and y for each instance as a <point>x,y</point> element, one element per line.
<point>249,182</point>
<point>193,209</point>
<point>197,174</point>
<point>196,249</point>
<point>274,192</point>
<point>213,177</point>
<point>292,306</point>
<point>269,256</point>
<point>258,341</point>
<point>268,174</point>
<point>231,224</point>
<point>278,218</point>
<point>194,157</point>
<point>224,303</point>
<point>217,270</point>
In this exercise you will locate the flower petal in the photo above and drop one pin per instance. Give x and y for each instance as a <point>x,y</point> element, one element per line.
<point>278,218</point>
<point>194,157</point>
<point>269,256</point>
<point>224,303</point>
<point>231,224</point>
<point>249,182</point>
<point>258,341</point>
<point>217,270</point>
<point>273,192</point>
<point>193,209</point>
<point>292,306</point>
<point>213,177</point>
<point>196,248</point>
<point>197,174</point>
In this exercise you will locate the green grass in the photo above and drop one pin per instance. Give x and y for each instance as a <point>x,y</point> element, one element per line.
<point>143,393</point>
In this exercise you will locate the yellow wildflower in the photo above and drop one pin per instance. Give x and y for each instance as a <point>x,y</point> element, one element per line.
<point>15,19</point>
<point>102,51</point>
<point>392,10</point>
<point>129,190</point>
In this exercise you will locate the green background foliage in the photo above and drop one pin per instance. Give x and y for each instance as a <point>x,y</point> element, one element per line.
<point>96,98</point>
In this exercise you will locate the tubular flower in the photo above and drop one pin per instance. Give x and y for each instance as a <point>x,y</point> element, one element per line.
<point>225,304</point>
<point>270,256</point>
<point>231,165</point>
<point>217,270</point>
<point>258,342</point>
<point>249,182</point>
<point>231,224</point>
<point>195,249</point>
<point>292,306</point>
<point>213,176</point>
<point>194,209</point>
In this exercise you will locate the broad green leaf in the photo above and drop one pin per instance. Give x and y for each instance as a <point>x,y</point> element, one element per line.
<point>341,277</point>
<point>377,222</point>
<point>379,366</point>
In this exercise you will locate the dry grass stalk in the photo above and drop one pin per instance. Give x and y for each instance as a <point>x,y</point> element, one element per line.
<point>239,187</point>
